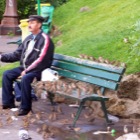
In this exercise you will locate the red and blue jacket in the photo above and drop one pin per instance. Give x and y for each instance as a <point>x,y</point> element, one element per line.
<point>39,59</point>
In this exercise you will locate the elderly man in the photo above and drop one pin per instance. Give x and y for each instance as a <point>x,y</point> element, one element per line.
<point>35,54</point>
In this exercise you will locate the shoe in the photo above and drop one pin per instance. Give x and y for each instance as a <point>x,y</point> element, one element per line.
<point>23,112</point>
<point>8,106</point>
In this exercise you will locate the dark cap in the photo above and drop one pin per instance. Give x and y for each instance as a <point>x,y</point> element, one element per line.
<point>36,17</point>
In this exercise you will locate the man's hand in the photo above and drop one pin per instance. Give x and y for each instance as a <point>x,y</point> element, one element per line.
<point>22,74</point>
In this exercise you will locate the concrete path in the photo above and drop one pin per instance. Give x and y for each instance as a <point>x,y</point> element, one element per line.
<point>6,48</point>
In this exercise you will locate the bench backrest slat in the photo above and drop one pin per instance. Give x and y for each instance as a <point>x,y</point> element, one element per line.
<point>109,68</point>
<point>89,79</point>
<point>87,70</point>
<point>103,75</point>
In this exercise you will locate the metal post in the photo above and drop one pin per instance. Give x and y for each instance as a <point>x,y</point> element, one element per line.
<point>38,9</point>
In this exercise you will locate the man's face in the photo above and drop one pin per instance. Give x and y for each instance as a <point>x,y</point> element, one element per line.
<point>34,26</point>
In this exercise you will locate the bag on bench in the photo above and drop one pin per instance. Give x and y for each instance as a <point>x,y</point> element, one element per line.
<point>17,90</point>
<point>49,75</point>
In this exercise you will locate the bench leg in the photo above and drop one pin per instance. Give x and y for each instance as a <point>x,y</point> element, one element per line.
<point>105,112</point>
<point>78,113</point>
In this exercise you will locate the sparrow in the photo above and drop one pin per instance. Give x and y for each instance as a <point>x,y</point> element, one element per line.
<point>44,127</point>
<point>99,92</point>
<point>9,120</point>
<point>59,110</point>
<point>38,130</point>
<point>100,59</point>
<point>125,129</point>
<point>73,115</point>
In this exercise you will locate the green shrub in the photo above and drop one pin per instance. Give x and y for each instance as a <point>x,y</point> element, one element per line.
<point>2,7</point>
<point>27,7</point>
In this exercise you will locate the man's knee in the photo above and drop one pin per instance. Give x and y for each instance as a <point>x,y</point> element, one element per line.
<point>10,75</point>
<point>26,79</point>
<point>6,74</point>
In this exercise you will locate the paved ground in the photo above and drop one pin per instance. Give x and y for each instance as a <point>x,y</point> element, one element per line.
<point>4,47</point>
<point>57,128</point>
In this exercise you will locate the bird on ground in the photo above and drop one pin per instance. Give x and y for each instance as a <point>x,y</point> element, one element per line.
<point>92,58</point>
<point>1,123</point>
<point>99,92</point>
<point>101,60</point>
<point>44,127</point>
<point>125,129</point>
<point>59,110</point>
<point>108,128</point>
<point>9,120</point>
<point>73,115</point>
<point>38,115</point>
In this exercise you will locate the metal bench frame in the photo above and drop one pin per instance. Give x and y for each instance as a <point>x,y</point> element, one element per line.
<point>105,76</point>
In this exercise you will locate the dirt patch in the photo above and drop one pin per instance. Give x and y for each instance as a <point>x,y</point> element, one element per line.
<point>128,89</point>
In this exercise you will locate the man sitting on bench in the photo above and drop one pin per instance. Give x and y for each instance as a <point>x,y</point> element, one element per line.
<point>35,54</point>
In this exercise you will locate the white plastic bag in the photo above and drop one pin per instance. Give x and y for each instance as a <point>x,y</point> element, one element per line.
<point>23,134</point>
<point>49,75</point>
<point>113,118</point>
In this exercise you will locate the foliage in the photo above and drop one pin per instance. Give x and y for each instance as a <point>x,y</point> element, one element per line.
<point>27,7</point>
<point>6,67</point>
<point>55,3</point>
<point>2,7</point>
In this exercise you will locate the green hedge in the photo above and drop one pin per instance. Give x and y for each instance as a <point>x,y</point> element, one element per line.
<point>27,7</point>
<point>2,7</point>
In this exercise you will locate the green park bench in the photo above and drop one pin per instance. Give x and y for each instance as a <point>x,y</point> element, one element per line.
<point>47,13</point>
<point>17,42</point>
<point>106,76</point>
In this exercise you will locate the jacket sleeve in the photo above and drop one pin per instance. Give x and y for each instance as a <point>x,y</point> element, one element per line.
<point>43,54</point>
<point>12,57</point>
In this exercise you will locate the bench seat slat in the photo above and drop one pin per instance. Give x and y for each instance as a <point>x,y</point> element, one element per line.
<point>107,67</point>
<point>93,96</point>
<point>89,79</point>
<point>87,70</point>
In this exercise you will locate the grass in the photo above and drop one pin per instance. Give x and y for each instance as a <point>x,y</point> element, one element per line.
<point>6,67</point>
<point>100,30</point>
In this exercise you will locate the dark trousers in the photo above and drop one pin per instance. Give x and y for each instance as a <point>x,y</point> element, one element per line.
<point>9,77</point>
